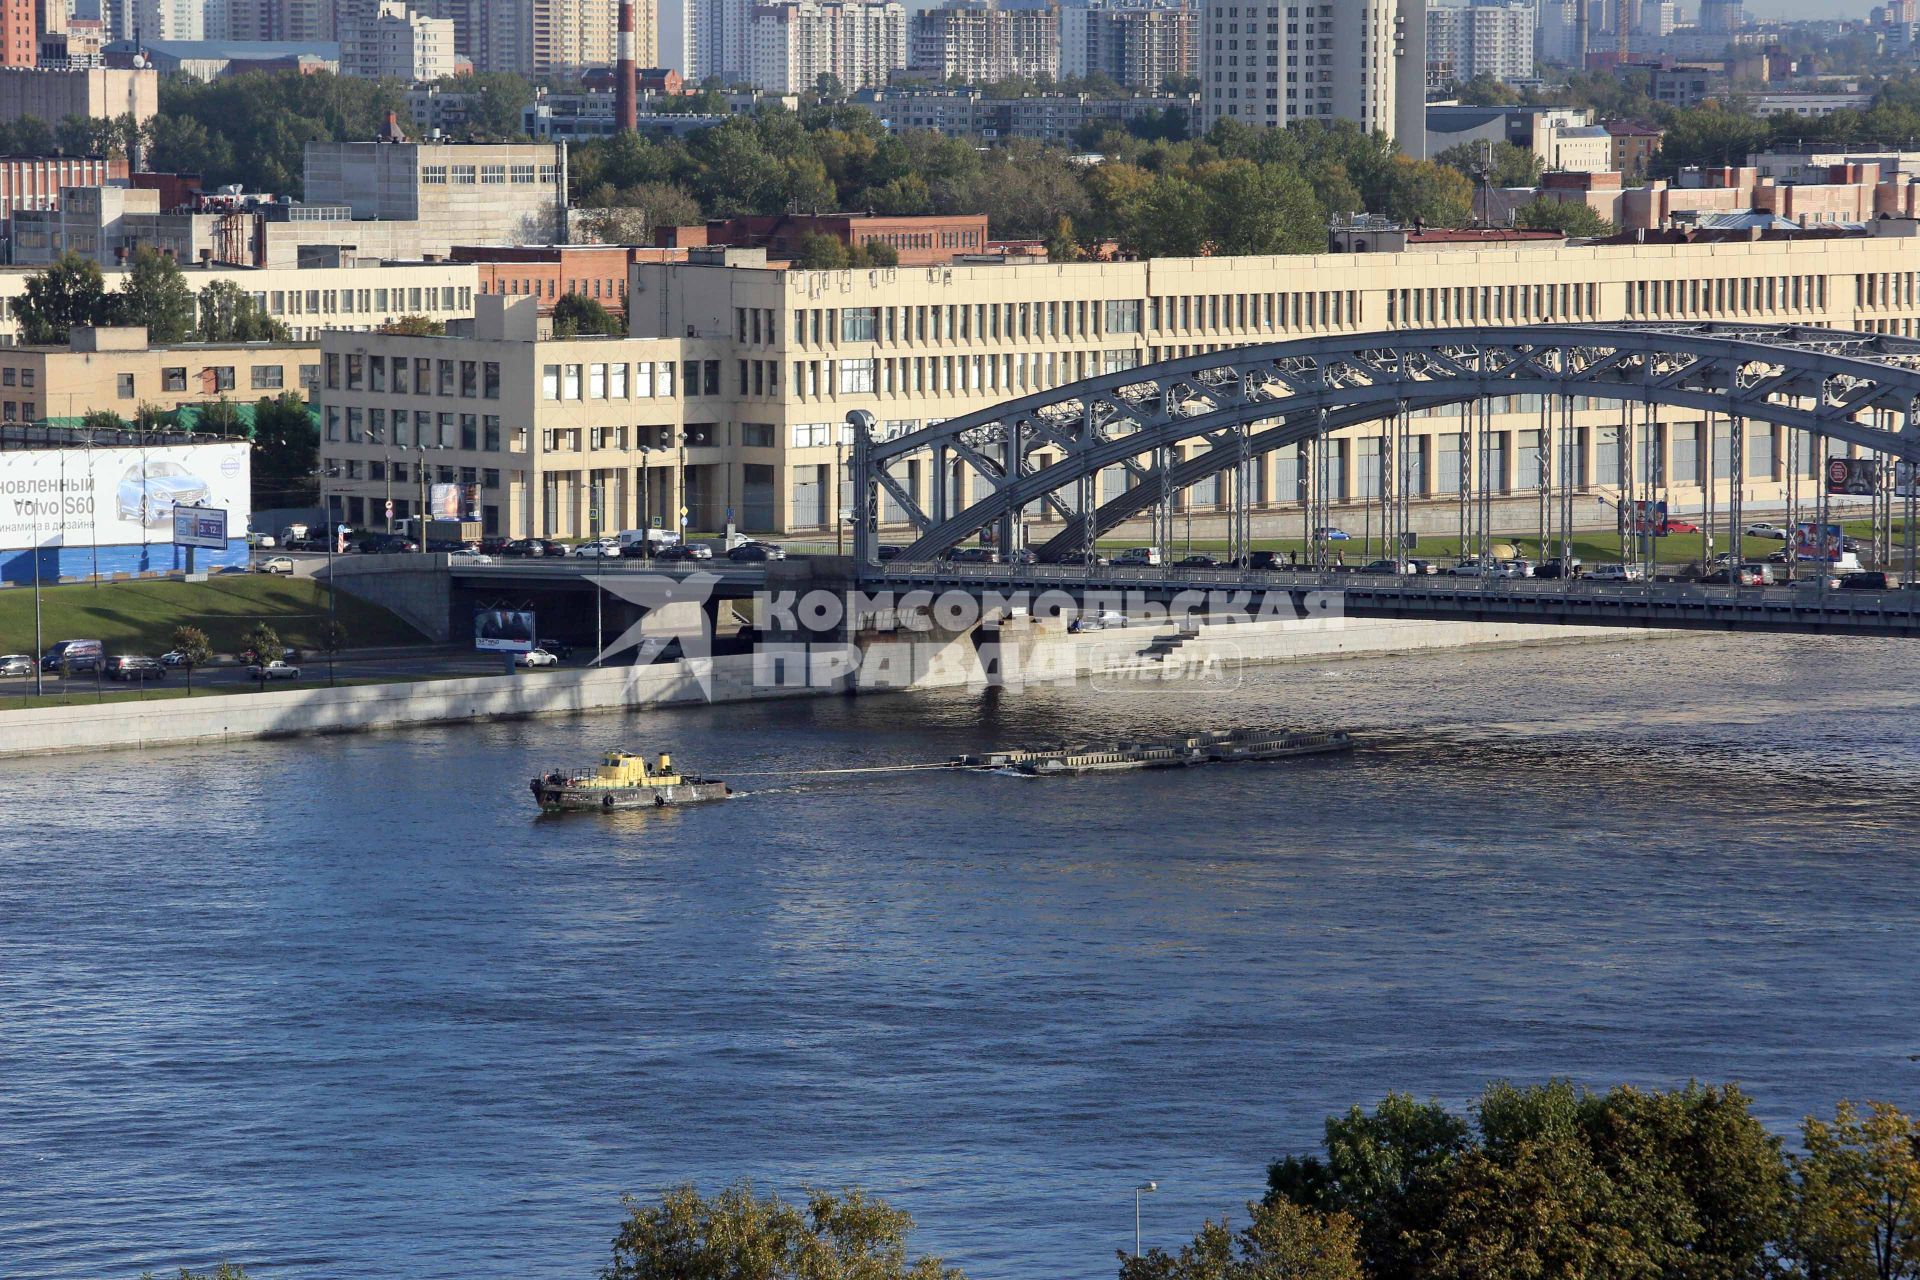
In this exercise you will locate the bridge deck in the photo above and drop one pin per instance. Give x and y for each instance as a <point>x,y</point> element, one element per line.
<point>1803,608</point>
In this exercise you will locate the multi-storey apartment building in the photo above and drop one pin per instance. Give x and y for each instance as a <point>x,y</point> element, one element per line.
<point>858,42</point>
<point>1486,38</point>
<point>1268,63</point>
<point>395,42</point>
<point>1137,45</point>
<point>764,364</point>
<point>981,41</point>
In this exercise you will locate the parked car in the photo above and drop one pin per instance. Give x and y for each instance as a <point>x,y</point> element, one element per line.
<point>637,551</point>
<point>554,647</point>
<point>1327,533</point>
<point>386,544</point>
<point>773,551</point>
<point>1611,572</point>
<point>133,667</point>
<point>534,548</point>
<point>1869,580</point>
<point>261,541</point>
<point>1139,558</point>
<point>536,658</point>
<point>1200,562</point>
<point>274,564</point>
<point>1517,567</point>
<point>685,553</point>
<point>597,551</point>
<point>278,669</point>
<point>1679,526</point>
<point>174,658</point>
<point>1764,530</point>
<point>975,555</point>
<point>16,664</point>
<point>751,552</point>
<point>1852,544</point>
<point>494,546</point>
<point>1268,560</point>
<point>468,557</point>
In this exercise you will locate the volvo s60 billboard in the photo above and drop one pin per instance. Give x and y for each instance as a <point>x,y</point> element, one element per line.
<point>112,497</point>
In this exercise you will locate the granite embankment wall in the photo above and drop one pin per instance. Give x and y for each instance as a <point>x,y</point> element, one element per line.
<point>1029,652</point>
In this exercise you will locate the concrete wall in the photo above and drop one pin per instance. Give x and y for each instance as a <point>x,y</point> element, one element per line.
<point>416,589</point>
<point>1023,652</point>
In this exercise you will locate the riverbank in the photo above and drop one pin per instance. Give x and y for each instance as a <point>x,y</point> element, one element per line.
<point>1025,655</point>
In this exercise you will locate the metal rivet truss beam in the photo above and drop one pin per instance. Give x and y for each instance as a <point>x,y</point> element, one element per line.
<point>1039,448</point>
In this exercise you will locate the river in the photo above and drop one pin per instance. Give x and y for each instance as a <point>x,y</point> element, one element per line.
<point>347,1007</point>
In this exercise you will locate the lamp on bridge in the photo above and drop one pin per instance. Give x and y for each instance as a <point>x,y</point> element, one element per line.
<point>1145,1188</point>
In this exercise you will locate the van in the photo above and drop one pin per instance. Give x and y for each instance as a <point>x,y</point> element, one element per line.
<point>1139,556</point>
<point>656,537</point>
<point>77,656</point>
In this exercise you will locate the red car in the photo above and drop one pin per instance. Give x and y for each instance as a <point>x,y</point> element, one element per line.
<point>1681,526</point>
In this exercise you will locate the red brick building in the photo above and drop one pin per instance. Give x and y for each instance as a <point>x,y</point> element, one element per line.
<point>34,182</point>
<point>550,272</point>
<point>921,241</point>
<point>19,34</point>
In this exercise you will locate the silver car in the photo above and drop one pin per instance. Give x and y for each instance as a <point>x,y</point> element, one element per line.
<point>16,664</point>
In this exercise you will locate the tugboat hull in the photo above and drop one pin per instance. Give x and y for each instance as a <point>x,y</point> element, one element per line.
<point>560,798</point>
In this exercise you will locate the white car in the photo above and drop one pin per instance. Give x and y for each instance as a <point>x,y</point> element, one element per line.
<point>1616,573</point>
<point>16,664</point>
<point>1516,568</point>
<point>274,670</point>
<point>536,658</point>
<point>274,564</point>
<point>468,557</point>
<point>1773,531</point>
<point>598,551</point>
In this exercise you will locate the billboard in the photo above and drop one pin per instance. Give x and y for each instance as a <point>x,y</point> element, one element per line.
<point>1809,543</point>
<point>503,630</point>
<point>1853,477</point>
<point>200,527</point>
<point>453,502</point>
<point>117,496</point>
<point>1906,479</point>
<point>1650,518</point>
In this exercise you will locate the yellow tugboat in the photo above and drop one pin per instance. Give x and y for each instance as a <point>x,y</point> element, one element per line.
<point>625,781</point>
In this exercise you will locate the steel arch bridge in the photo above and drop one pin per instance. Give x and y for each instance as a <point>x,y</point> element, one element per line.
<point>1244,402</point>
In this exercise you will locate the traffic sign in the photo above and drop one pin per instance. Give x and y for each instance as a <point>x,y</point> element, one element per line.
<point>683,512</point>
<point>389,508</point>
<point>684,522</point>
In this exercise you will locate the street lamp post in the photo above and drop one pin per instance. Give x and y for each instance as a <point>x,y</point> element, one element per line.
<point>646,528</point>
<point>39,641</point>
<point>332,590</point>
<point>1145,1188</point>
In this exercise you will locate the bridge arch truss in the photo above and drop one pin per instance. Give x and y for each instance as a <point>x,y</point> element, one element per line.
<point>1050,448</point>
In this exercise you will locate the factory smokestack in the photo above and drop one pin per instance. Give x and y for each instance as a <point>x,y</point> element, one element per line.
<point>626,76</point>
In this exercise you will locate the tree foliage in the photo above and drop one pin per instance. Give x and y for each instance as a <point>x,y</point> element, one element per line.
<point>253,128</point>
<point>1511,166</point>
<point>740,1235</point>
<point>414,326</point>
<point>1565,216</point>
<point>1283,1242</point>
<point>194,648</point>
<point>576,315</point>
<point>155,294</point>
<point>228,313</point>
<point>1857,1215</point>
<point>286,453</point>
<point>69,294</point>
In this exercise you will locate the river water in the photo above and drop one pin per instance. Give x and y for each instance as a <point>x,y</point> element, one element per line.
<point>348,1007</point>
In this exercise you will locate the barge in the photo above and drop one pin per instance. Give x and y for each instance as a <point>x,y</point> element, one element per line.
<point>625,781</point>
<point>1211,747</point>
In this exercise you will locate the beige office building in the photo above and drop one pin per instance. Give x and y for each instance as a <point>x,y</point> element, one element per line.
<point>763,366</point>
<point>356,297</point>
<point>116,370</point>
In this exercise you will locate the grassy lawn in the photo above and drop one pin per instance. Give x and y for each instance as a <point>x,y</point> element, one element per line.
<point>139,617</point>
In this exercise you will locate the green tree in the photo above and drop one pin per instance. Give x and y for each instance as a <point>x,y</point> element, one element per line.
<point>1511,166</point>
<point>1419,192</point>
<point>739,1235</point>
<point>1168,221</point>
<point>414,327</point>
<point>69,294</point>
<point>1259,209</point>
<point>229,314</point>
<point>819,252</point>
<point>576,315</point>
<point>1858,1210</point>
<point>103,420</point>
<point>1376,1169</point>
<point>873,253</point>
<point>1283,1242</point>
<point>28,136</point>
<point>151,417</point>
<point>155,295</point>
<point>1563,216</point>
<point>495,102</point>
<point>194,648</point>
<point>220,417</point>
<point>262,642</point>
<point>1061,245</point>
<point>286,453</point>
<point>630,215</point>
<point>829,87</point>
<point>1485,91</point>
